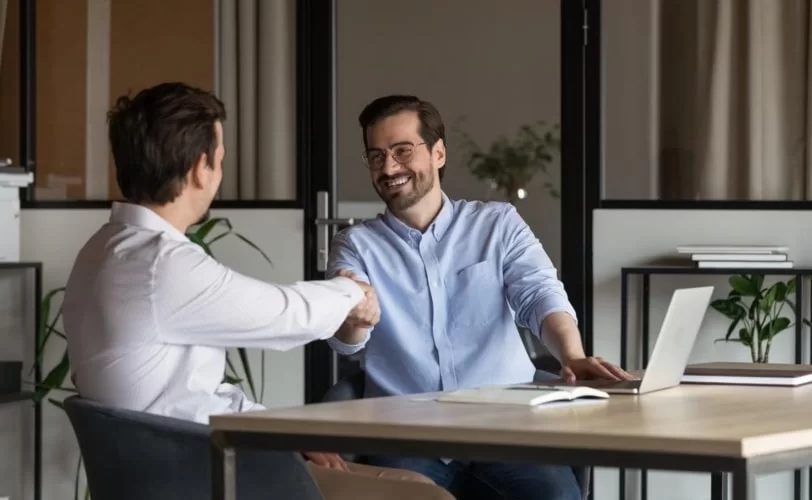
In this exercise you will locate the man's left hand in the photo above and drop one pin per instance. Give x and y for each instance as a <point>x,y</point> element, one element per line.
<point>328,460</point>
<point>592,368</point>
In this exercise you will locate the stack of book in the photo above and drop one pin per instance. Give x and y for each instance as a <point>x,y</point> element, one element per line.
<point>737,256</point>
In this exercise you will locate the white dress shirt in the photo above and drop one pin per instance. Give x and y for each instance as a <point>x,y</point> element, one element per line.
<point>148,316</point>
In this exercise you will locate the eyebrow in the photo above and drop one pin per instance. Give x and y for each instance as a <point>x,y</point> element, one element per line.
<point>399,143</point>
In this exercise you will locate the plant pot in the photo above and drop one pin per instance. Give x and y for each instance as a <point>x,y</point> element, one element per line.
<point>11,377</point>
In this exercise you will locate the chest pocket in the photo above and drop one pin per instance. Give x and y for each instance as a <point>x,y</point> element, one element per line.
<point>476,294</point>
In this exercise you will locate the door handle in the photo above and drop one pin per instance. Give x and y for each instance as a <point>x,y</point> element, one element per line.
<point>324,223</point>
<point>335,222</point>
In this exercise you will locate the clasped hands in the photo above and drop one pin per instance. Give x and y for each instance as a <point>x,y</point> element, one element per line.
<point>368,312</point>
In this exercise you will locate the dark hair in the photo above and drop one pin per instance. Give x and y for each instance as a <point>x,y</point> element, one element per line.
<point>431,130</point>
<point>158,136</point>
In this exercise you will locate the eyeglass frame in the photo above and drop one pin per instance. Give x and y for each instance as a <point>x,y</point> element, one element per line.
<point>388,151</point>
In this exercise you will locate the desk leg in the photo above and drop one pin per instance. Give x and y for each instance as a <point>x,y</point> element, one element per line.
<point>223,473</point>
<point>644,348</point>
<point>720,486</point>
<point>744,485</point>
<point>624,332</point>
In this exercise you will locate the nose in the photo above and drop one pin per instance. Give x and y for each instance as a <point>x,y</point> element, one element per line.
<point>390,165</point>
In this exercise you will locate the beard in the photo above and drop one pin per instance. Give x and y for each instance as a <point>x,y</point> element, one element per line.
<point>409,194</point>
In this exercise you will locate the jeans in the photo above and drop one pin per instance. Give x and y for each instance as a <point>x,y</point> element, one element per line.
<point>493,481</point>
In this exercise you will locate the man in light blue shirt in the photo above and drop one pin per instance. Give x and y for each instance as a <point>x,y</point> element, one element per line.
<point>453,278</point>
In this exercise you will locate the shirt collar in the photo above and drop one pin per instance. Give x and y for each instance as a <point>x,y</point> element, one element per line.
<point>136,215</point>
<point>437,228</point>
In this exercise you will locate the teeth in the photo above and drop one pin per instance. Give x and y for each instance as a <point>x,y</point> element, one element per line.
<point>397,182</point>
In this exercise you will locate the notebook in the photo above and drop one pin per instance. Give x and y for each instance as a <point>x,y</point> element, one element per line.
<point>779,374</point>
<point>523,394</point>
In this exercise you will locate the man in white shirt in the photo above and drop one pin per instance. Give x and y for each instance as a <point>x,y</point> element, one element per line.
<point>148,314</point>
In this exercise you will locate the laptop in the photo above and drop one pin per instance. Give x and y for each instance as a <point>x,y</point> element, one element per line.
<point>672,348</point>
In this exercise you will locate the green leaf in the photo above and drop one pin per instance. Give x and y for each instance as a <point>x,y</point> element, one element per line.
<point>769,298</point>
<point>726,340</point>
<point>743,285</point>
<point>254,246</point>
<point>202,244</point>
<point>46,325</point>
<point>261,376</point>
<point>745,337</point>
<point>76,479</point>
<point>247,370</point>
<point>758,281</point>
<point>731,328</point>
<point>55,378</point>
<point>777,326</point>
<point>780,291</point>
<point>56,403</point>
<point>204,229</point>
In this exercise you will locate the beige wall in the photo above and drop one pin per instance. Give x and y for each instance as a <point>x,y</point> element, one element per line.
<point>497,65</point>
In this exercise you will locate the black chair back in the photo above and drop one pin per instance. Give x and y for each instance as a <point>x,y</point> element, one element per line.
<point>130,455</point>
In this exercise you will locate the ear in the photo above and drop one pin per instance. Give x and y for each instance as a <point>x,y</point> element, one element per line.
<point>200,172</point>
<point>438,152</point>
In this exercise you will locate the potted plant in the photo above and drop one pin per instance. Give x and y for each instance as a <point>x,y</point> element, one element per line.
<point>756,312</point>
<point>203,235</point>
<point>509,165</point>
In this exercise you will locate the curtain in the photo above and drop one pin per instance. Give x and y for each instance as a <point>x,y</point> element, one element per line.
<point>257,83</point>
<point>735,102</point>
<point>3,10</point>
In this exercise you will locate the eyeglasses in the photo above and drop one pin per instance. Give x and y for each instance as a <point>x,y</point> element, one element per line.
<point>402,153</point>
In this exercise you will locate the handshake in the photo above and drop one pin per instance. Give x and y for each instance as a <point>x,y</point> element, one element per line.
<point>367,313</point>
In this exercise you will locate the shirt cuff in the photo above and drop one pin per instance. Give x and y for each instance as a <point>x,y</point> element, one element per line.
<point>347,349</point>
<point>350,287</point>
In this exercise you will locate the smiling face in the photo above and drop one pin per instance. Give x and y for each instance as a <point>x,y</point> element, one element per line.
<point>403,168</point>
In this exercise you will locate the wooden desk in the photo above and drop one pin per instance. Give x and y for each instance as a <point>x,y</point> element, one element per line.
<point>741,430</point>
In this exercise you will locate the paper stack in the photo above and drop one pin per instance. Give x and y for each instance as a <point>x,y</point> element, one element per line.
<point>738,256</point>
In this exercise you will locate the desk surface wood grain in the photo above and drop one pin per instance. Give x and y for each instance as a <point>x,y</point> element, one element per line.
<point>729,421</point>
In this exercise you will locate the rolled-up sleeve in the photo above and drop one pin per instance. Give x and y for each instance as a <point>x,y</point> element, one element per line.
<point>531,280</point>
<point>344,257</point>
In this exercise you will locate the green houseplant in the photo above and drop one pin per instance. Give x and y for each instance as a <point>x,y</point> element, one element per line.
<point>756,312</point>
<point>510,164</point>
<point>204,235</point>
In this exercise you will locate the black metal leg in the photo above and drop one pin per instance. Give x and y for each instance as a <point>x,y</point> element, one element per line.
<point>799,324</point>
<point>717,486</point>
<point>646,306</point>
<point>799,330</point>
<point>624,320</point>
<point>744,485</point>
<point>37,382</point>
<point>646,309</point>
<point>624,347</point>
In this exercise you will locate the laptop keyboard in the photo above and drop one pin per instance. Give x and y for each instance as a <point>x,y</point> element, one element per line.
<point>620,384</point>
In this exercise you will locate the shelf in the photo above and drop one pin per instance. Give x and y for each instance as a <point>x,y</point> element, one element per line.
<point>16,397</point>
<point>683,269</point>
<point>19,265</point>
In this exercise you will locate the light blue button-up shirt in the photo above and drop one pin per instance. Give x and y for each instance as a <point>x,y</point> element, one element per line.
<point>450,297</point>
